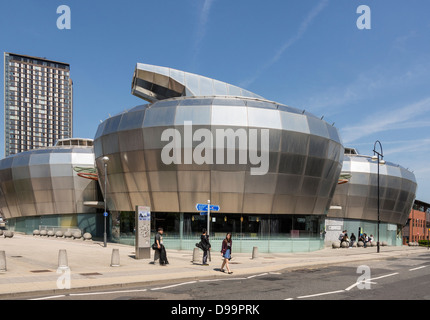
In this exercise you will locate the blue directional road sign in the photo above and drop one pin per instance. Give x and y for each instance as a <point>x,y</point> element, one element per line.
<point>204,207</point>
<point>105,214</point>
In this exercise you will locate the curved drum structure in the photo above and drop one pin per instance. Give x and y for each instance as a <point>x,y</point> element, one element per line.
<point>246,154</point>
<point>358,198</point>
<point>43,182</point>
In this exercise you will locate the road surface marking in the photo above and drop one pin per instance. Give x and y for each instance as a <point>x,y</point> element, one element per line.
<point>320,294</point>
<point>361,282</point>
<point>174,285</point>
<point>370,280</point>
<point>387,275</point>
<point>107,292</point>
<point>51,297</point>
<point>257,275</point>
<point>417,268</point>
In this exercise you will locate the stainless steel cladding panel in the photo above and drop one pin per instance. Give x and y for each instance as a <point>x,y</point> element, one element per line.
<point>358,198</point>
<point>304,156</point>
<point>45,182</point>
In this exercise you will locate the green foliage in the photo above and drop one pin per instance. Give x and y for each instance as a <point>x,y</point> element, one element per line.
<point>423,243</point>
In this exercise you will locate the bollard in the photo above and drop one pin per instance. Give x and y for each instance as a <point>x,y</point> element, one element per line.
<point>254,252</point>
<point>196,255</point>
<point>3,261</point>
<point>335,245</point>
<point>62,259</point>
<point>8,234</point>
<point>87,236</point>
<point>115,258</point>
<point>77,235</point>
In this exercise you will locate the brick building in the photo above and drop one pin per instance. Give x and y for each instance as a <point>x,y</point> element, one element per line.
<point>418,225</point>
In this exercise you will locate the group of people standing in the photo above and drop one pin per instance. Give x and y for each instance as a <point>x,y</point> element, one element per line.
<point>343,237</point>
<point>204,244</point>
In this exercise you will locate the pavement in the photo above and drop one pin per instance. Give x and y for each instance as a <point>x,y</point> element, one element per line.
<point>32,264</point>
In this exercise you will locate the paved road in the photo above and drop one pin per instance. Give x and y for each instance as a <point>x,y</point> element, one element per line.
<point>402,278</point>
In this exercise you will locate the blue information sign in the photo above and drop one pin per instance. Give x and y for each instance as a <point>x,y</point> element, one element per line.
<point>204,207</point>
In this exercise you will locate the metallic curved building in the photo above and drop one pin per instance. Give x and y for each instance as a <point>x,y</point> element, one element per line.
<point>246,154</point>
<point>273,170</point>
<point>154,83</point>
<point>357,200</point>
<point>303,158</point>
<point>45,182</point>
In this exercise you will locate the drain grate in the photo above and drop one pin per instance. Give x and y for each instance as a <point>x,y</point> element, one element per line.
<point>306,270</point>
<point>16,256</point>
<point>91,274</point>
<point>40,271</point>
<point>270,278</point>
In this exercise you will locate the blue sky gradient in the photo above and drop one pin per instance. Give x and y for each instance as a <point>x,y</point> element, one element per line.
<point>373,84</point>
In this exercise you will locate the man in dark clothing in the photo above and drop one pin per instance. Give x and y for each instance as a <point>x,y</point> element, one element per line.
<point>353,239</point>
<point>205,246</point>
<point>160,247</point>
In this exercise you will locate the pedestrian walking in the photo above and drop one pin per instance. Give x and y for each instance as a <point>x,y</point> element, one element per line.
<point>226,252</point>
<point>205,246</point>
<point>158,244</point>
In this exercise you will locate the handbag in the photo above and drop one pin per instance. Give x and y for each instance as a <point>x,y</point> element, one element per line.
<point>154,246</point>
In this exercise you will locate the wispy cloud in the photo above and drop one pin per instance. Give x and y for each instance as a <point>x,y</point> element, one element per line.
<point>201,27</point>
<point>366,85</point>
<point>408,146</point>
<point>300,33</point>
<point>387,120</point>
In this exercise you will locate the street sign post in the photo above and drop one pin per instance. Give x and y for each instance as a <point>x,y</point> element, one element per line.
<point>206,210</point>
<point>143,232</point>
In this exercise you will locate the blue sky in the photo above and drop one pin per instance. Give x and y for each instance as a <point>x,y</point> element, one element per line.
<point>373,84</point>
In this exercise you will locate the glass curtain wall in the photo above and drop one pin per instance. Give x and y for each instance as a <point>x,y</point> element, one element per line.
<point>86,222</point>
<point>182,230</point>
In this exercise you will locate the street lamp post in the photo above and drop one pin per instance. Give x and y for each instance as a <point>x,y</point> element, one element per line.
<point>105,162</point>
<point>378,156</point>
<point>209,218</point>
